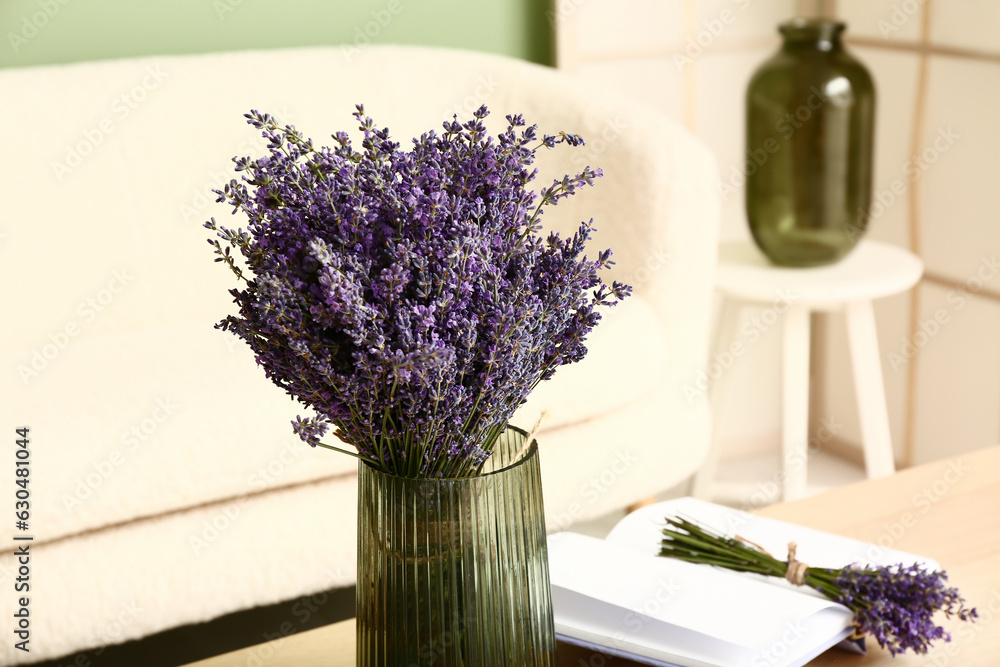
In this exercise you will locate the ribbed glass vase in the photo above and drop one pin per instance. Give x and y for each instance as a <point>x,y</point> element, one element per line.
<point>455,571</point>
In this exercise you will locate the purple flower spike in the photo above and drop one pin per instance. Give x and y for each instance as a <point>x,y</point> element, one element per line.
<point>406,297</point>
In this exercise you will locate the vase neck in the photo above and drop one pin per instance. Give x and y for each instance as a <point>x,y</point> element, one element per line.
<point>811,35</point>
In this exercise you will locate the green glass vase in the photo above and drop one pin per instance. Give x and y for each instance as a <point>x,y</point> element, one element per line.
<point>455,571</point>
<point>810,112</point>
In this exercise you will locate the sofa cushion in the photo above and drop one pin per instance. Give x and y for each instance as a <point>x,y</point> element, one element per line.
<point>152,421</point>
<point>146,576</point>
<point>624,362</point>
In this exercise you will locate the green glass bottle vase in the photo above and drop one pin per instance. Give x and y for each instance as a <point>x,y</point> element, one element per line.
<point>810,121</point>
<point>455,571</point>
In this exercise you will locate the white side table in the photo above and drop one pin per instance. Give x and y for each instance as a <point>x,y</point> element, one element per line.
<point>745,277</point>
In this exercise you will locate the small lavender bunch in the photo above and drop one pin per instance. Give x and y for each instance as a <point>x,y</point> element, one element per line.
<point>407,297</point>
<point>895,604</point>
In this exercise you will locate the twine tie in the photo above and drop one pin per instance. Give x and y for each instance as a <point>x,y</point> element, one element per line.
<point>796,571</point>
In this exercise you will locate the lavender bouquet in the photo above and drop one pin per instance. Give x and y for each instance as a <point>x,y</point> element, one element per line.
<point>895,604</point>
<point>407,297</point>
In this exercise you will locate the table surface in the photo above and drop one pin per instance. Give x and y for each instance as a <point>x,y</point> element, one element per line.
<point>870,271</point>
<point>948,511</point>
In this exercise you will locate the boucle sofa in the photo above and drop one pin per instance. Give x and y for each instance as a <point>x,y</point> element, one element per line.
<point>166,485</point>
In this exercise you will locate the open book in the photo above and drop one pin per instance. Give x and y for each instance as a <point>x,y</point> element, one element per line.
<point>619,597</point>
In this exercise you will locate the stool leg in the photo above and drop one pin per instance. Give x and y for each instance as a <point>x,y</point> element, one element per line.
<point>873,411</point>
<point>795,401</point>
<point>725,334</point>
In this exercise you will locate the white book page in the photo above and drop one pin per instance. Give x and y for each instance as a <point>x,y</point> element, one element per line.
<point>701,614</point>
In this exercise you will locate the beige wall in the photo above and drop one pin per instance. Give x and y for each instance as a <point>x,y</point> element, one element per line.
<point>936,66</point>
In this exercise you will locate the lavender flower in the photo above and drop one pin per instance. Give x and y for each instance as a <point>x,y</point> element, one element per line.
<point>895,604</point>
<point>407,297</point>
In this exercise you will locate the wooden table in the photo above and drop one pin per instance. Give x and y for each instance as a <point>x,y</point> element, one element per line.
<point>949,511</point>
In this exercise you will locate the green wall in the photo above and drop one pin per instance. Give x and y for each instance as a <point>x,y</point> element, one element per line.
<point>37,32</point>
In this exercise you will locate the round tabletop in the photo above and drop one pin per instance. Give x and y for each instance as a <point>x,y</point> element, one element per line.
<point>871,270</point>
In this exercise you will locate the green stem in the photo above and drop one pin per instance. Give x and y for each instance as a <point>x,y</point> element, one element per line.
<point>349,453</point>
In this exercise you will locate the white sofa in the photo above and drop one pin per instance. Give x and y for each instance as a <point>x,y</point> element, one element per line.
<point>167,486</point>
